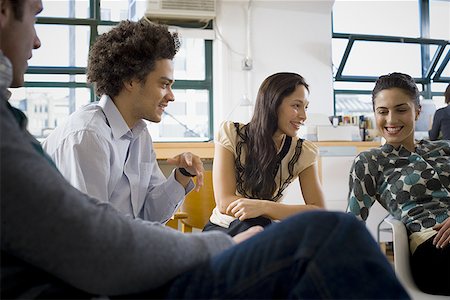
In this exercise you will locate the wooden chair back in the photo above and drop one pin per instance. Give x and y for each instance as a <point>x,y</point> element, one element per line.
<point>198,205</point>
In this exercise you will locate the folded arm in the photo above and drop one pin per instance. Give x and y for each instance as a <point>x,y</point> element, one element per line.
<point>243,208</point>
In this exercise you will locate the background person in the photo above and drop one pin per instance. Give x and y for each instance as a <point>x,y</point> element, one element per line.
<point>441,120</point>
<point>409,179</point>
<point>105,149</point>
<point>254,163</point>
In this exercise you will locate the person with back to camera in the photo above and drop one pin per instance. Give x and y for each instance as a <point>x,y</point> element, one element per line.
<point>440,128</point>
<point>409,179</point>
<point>105,149</point>
<point>58,243</point>
<point>254,163</point>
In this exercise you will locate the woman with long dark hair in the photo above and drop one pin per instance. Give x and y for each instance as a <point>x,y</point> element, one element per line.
<point>255,162</point>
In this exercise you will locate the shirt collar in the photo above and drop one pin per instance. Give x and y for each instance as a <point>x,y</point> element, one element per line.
<point>6,75</point>
<point>117,123</point>
<point>402,151</point>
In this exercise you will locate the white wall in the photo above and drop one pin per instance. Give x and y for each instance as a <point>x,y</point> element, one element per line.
<point>292,36</point>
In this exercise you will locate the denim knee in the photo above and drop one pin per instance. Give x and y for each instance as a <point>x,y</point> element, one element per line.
<point>320,219</point>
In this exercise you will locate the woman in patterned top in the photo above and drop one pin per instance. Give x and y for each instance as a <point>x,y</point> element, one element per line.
<point>410,179</point>
<point>255,162</point>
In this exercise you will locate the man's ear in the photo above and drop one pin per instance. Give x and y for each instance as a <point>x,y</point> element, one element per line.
<point>5,12</point>
<point>128,84</point>
<point>2,12</point>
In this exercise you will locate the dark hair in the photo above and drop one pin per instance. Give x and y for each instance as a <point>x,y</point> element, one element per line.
<point>17,8</point>
<point>447,94</point>
<point>397,80</point>
<point>261,154</point>
<point>128,51</point>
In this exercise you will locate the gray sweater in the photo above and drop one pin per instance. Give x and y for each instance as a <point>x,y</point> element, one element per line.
<point>52,232</point>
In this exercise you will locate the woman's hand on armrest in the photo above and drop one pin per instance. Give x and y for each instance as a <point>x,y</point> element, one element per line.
<point>442,238</point>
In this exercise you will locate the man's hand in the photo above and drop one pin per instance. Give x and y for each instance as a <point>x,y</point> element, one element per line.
<point>245,235</point>
<point>442,238</point>
<point>192,163</point>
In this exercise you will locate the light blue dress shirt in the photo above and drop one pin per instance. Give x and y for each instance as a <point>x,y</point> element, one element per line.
<point>96,152</point>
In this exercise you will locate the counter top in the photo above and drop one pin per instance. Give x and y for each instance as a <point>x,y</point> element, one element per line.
<point>169,150</point>
<point>206,149</point>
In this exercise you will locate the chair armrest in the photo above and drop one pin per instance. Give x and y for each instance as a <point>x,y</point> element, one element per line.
<point>401,261</point>
<point>179,215</point>
<point>401,253</point>
<point>174,220</point>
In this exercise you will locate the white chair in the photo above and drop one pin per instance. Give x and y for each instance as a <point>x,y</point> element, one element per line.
<point>401,261</point>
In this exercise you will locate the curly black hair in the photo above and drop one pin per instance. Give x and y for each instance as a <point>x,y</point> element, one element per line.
<point>128,51</point>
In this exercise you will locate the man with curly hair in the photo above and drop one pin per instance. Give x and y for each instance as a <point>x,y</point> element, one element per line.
<point>105,149</point>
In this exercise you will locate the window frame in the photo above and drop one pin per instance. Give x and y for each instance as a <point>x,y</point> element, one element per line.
<point>94,22</point>
<point>431,69</point>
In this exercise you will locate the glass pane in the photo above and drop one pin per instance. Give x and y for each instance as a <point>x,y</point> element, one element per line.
<point>189,62</point>
<point>441,59</point>
<point>338,48</point>
<point>104,28</point>
<point>353,104</point>
<point>375,59</point>
<point>440,19</point>
<point>186,119</point>
<point>55,78</point>
<point>47,77</point>
<point>116,10</point>
<point>439,101</point>
<point>446,72</point>
<point>46,108</point>
<point>71,42</point>
<point>80,78</point>
<point>137,9</point>
<point>344,85</point>
<point>360,86</point>
<point>65,8</point>
<point>395,18</point>
<point>439,87</point>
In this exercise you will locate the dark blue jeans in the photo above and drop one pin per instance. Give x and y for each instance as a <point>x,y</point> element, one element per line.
<point>311,255</point>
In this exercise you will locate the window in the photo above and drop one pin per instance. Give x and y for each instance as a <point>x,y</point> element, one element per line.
<point>439,13</point>
<point>362,50</point>
<point>56,85</point>
<point>394,18</point>
<point>189,117</point>
<point>48,106</point>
